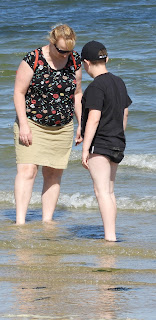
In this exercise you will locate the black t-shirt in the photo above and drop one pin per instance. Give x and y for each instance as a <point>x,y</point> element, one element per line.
<point>107,93</point>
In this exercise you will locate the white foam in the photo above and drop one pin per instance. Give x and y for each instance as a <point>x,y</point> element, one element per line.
<point>140,204</point>
<point>140,161</point>
<point>75,155</point>
<point>84,201</point>
<point>33,316</point>
<point>77,200</point>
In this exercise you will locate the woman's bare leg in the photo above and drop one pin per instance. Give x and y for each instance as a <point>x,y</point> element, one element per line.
<point>24,181</point>
<point>103,173</point>
<point>51,190</point>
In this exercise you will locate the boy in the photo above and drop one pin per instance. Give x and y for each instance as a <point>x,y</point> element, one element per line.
<point>104,117</point>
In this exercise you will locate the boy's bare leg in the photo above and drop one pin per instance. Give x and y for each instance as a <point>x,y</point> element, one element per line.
<point>103,173</point>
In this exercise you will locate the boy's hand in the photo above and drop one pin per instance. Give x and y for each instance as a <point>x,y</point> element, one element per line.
<point>85,157</point>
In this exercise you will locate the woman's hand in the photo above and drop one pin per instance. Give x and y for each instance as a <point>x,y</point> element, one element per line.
<point>78,106</point>
<point>23,78</point>
<point>25,135</point>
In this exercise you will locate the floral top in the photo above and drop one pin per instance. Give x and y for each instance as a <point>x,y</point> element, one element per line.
<point>50,96</point>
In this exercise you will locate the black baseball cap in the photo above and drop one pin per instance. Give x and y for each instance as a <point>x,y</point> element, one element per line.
<point>91,49</point>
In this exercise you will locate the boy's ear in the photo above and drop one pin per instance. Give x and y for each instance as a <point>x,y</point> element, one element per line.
<point>107,59</point>
<point>87,61</point>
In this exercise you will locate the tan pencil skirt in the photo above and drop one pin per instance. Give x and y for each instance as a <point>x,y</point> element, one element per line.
<point>51,146</point>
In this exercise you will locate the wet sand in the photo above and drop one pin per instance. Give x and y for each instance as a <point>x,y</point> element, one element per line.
<point>68,271</point>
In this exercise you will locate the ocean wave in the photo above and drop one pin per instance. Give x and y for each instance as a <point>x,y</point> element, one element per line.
<point>139,161</point>
<point>78,201</point>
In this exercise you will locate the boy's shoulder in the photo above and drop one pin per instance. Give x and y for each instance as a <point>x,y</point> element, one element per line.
<point>104,81</point>
<point>107,79</point>
<point>94,84</point>
<point>100,82</point>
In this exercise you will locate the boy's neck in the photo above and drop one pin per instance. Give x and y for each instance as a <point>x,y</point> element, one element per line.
<point>98,69</point>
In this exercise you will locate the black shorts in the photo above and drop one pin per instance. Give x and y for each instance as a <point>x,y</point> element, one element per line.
<point>115,155</point>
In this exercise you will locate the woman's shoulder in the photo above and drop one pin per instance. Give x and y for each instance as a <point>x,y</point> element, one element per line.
<point>31,55</point>
<point>75,54</point>
<point>76,59</point>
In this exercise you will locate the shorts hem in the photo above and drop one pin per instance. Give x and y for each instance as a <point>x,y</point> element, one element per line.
<point>114,156</point>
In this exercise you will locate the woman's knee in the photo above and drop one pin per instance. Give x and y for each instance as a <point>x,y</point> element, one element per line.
<point>27,171</point>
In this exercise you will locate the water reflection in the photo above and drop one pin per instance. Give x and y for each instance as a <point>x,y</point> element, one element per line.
<point>57,277</point>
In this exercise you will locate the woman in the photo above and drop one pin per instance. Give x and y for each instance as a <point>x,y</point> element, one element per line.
<point>105,105</point>
<point>47,89</point>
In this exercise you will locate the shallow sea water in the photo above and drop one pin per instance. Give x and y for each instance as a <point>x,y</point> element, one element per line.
<point>65,270</point>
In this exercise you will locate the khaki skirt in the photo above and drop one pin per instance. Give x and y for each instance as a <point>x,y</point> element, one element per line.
<point>51,146</point>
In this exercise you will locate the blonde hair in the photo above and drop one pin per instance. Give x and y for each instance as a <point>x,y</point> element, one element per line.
<point>65,32</point>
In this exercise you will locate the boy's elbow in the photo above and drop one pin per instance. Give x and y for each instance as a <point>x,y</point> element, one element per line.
<point>96,121</point>
<point>126,113</point>
<point>94,116</point>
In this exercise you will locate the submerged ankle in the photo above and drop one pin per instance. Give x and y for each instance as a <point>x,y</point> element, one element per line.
<point>110,239</point>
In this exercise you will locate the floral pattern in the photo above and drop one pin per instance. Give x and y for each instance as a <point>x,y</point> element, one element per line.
<point>50,96</point>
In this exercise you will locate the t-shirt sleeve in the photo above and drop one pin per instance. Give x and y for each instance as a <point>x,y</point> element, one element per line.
<point>128,101</point>
<point>77,60</point>
<point>94,98</point>
<point>30,58</point>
